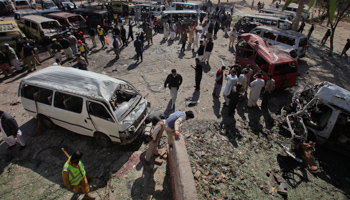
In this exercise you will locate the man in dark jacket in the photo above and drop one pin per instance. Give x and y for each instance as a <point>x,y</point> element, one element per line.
<point>201,51</point>
<point>47,44</point>
<point>130,34</point>
<point>116,32</point>
<point>28,54</point>
<point>325,37</point>
<point>199,72</point>
<point>10,131</point>
<point>138,48</point>
<point>123,36</point>
<point>92,33</point>
<point>173,81</point>
<point>208,49</point>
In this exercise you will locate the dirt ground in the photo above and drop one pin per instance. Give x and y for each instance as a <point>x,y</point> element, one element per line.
<point>236,156</point>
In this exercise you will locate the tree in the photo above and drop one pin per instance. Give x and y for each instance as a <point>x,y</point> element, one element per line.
<point>300,10</point>
<point>342,8</point>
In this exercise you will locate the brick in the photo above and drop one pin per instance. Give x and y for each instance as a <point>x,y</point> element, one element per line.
<point>197,174</point>
<point>158,161</point>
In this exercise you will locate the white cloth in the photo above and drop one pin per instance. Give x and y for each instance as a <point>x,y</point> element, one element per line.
<point>11,140</point>
<point>196,40</point>
<point>172,35</point>
<point>68,52</point>
<point>166,30</point>
<point>243,81</point>
<point>231,82</point>
<point>16,63</point>
<point>255,91</point>
<point>173,94</point>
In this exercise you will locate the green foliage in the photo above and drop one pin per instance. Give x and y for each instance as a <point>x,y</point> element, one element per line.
<point>311,4</point>
<point>332,7</point>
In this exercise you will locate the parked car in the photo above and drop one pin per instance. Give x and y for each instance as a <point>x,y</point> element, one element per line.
<point>5,7</point>
<point>37,26</point>
<point>46,4</point>
<point>254,50</point>
<point>92,17</point>
<point>293,43</point>
<point>249,22</point>
<point>21,5</point>
<point>305,14</point>
<point>108,109</point>
<point>9,31</point>
<point>66,6</point>
<point>66,19</point>
<point>321,113</point>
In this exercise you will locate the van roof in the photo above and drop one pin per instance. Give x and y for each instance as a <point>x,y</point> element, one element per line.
<point>270,53</point>
<point>257,16</point>
<point>186,3</point>
<point>180,11</point>
<point>334,95</point>
<point>62,14</point>
<point>289,33</point>
<point>37,18</point>
<point>76,81</point>
<point>89,10</point>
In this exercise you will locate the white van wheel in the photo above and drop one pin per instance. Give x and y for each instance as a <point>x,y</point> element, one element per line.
<point>103,139</point>
<point>47,122</point>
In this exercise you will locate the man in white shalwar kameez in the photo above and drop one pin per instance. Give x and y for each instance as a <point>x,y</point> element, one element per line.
<point>196,40</point>
<point>166,30</point>
<point>231,82</point>
<point>255,90</point>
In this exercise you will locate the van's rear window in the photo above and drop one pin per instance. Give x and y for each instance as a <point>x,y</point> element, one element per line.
<point>285,40</point>
<point>22,3</point>
<point>287,68</point>
<point>74,19</point>
<point>49,25</point>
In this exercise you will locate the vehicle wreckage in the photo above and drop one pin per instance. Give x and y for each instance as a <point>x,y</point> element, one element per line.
<point>321,114</point>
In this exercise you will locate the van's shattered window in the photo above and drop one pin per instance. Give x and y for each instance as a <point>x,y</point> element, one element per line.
<point>123,99</point>
<point>74,19</point>
<point>49,25</point>
<point>285,40</point>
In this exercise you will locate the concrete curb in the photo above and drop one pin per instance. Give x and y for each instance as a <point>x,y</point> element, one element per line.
<point>183,185</point>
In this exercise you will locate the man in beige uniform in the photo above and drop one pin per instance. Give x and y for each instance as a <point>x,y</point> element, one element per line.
<point>173,124</point>
<point>157,134</point>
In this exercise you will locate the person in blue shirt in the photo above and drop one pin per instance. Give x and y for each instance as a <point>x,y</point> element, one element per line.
<point>173,124</point>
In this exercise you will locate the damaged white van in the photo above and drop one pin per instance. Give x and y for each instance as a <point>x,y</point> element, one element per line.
<point>87,103</point>
<point>321,113</point>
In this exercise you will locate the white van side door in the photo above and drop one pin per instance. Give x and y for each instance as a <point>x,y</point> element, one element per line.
<point>70,113</point>
<point>102,120</point>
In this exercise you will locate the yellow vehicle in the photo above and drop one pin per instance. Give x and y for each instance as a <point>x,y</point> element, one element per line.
<point>117,6</point>
<point>9,31</point>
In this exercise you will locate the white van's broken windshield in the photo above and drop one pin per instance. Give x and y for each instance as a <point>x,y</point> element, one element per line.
<point>124,100</point>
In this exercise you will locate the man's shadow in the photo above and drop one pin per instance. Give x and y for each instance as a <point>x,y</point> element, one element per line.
<point>216,107</point>
<point>169,110</point>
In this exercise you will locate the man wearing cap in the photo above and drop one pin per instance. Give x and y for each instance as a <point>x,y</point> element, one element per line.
<point>172,30</point>
<point>73,42</point>
<point>11,53</point>
<point>74,175</point>
<point>255,90</point>
<point>172,124</point>
<point>173,81</point>
<point>10,131</point>
<point>56,46</point>
<point>83,49</point>
<point>4,66</point>
<point>101,34</point>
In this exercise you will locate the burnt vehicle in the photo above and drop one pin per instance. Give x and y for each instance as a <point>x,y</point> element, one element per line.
<point>320,113</point>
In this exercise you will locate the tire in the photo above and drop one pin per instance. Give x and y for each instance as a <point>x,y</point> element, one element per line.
<point>103,140</point>
<point>47,122</point>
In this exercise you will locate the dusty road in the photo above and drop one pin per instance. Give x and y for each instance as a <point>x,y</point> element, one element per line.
<point>235,147</point>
